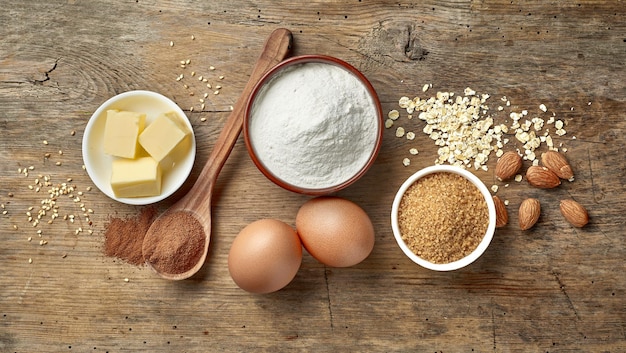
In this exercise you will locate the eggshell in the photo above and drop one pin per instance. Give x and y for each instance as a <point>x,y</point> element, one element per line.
<point>335,231</point>
<point>265,256</point>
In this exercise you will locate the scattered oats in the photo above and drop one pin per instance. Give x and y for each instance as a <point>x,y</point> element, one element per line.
<point>218,87</point>
<point>126,280</point>
<point>425,88</point>
<point>410,135</point>
<point>564,149</point>
<point>469,92</point>
<point>506,185</point>
<point>191,109</point>
<point>518,178</point>
<point>494,188</point>
<point>499,153</point>
<point>45,142</point>
<point>73,132</point>
<point>29,239</point>
<point>211,68</point>
<point>202,106</point>
<point>393,114</point>
<point>58,163</point>
<point>558,124</point>
<point>31,168</point>
<point>88,188</point>
<point>506,202</point>
<point>543,107</point>
<point>400,131</point>
<point>203,119</point>
<point>221,77</point>
<point>413,151</point>
<point>193,37</point>
<point>406,162</point>
<point>63,256</point>
<point>388,123</point>
<point>185,86</point>
<point>171,44</point>
<point>200,78</point>
<point>231,108</point>
<point>216,92</point>
<point>30,260</point>
<point>206,94</point>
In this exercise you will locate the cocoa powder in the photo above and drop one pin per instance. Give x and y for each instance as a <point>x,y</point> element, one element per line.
<point>175,243</point>
<point>123,238</point>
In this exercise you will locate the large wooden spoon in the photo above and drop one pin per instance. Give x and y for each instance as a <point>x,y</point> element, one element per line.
<point>177,243</point>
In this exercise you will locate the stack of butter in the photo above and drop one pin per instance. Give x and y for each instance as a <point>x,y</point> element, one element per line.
<point>144,152</point>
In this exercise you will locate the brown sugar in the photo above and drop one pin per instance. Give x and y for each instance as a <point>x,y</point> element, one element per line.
<point>443,217</point>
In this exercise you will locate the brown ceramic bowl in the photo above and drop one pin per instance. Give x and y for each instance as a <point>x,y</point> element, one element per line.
<point>302,177</point>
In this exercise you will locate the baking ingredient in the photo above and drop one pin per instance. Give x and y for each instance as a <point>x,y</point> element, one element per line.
<point>123,238</point>
<point>464,127</point>
<point>163,137</point>
<point>542,177</point>
<point>314,125</point>
<point>136,177</point>
<point>265,256</point>
<point>529,211</point>
<point>443,217</point>
<point>180,248</point>
<point>557,163</point>
<point>574,212</point>
<point>508,165</point>
<point>335,231</point>
<point>121,130</point>
<point>502,216</point>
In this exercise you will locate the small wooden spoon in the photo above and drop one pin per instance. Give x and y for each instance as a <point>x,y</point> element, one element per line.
<point>180,237</point>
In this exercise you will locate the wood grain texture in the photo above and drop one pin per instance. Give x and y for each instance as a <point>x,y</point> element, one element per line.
<point>554,288</point>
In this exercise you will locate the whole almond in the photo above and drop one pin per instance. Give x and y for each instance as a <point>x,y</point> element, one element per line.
<point>508,165</point>
<point>542,177</point>
<point>574,212</point>
<point>529,212</point>
<point>502,216</point>
<point>557,163</point>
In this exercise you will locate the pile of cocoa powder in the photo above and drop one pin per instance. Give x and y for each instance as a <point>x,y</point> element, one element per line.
<point>123,238</point>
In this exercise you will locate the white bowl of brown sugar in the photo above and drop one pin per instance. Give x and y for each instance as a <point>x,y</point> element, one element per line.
<point>443,217</point>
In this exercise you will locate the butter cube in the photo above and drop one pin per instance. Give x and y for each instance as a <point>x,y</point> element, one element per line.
<point>163,136</point>
<point>136,177</point>
<point>121,130</point>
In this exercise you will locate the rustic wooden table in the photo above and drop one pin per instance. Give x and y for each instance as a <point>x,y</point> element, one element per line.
<point>554,288</point>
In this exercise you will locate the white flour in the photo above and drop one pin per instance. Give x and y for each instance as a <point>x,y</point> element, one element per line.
<point>314,125</point>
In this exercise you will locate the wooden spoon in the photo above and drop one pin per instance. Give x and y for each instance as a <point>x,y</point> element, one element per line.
<point>177,243</point>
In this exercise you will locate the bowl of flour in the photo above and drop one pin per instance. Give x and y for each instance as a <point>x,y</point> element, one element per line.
<point>313,124</point>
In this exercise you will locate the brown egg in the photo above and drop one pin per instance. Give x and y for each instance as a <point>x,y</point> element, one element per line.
<point>335,231</point>
<point>265,256</point>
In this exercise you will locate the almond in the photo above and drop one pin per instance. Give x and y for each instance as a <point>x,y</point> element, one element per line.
<point>508,165</point>
<point>557,163</point>
<point>529,212</point>
<point>542,177</point>
<point>502,216</point>
<point>574,212</point>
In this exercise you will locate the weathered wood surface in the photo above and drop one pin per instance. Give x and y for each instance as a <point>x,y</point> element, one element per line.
<point>554,288</point>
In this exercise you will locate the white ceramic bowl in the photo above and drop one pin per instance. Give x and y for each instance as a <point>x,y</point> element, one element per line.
<point>98,164</point>
<point>482,246</point>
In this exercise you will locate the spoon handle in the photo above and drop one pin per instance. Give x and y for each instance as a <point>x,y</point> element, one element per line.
<point>276,48</point>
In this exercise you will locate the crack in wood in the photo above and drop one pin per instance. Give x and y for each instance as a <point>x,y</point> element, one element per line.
<point>330,308</point>
<point>569,300</point>
<point>47,74</point>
